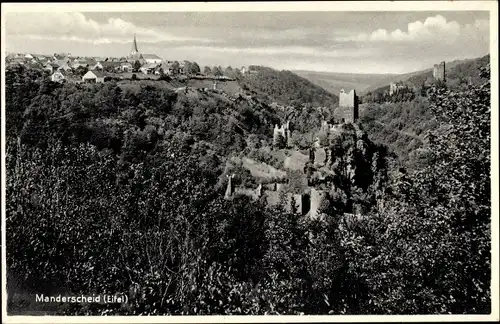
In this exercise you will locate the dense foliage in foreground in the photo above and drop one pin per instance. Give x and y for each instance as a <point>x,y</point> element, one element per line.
<point>89,214</point>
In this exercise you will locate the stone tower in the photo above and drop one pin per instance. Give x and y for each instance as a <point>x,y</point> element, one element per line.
<point>284,132</point>
<point>319,200</point>
<point>348,107</point>
<point>229,189</point>
<point>439,71</point>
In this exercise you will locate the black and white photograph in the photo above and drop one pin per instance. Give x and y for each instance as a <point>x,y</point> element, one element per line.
<point>250,161</point>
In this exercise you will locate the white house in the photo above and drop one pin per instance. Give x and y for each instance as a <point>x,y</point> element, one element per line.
<point>149,68</point>
<point>58,76</point>
<point>107,66</point>
<point>126,67</point>
<point>94,77</point>
<point>88,63</point>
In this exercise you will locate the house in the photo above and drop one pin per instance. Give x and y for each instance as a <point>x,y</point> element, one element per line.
<point>168,68</point>
<point>83,62</point>
<point>58,76</point>
<point>57,56</point>
<point>62,65</point>
<point>51,67</point>
<point>248,70</point>
<point>149,68</point>
<point>158,70</point>
<point>43,59</point>
<point>29,56</point>
<point>14,64</point>
<point>108,66</point>
<point>63,76</point>
<point>94,77</point>
<point>151,58</point>
<point>126,67</point>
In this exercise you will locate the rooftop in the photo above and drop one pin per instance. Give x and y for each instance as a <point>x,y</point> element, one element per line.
<point>151,57</point>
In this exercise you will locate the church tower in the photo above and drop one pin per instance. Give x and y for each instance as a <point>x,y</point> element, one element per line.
<point>134,50</point>
<point>134,53</point>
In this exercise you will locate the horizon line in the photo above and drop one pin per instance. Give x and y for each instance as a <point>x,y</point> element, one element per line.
<point>270,66</point>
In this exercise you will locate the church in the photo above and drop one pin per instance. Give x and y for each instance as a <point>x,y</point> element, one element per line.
<point>135,55</point>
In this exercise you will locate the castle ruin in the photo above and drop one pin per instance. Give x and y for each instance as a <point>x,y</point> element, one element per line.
<point>439,71</point>
<point>282,136</point>
<point>307,189</point>
<point>395,87</point>
<point>348,107</point>
<point>231,190</point>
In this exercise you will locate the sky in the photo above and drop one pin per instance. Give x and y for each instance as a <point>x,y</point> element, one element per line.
<point>350,42</point>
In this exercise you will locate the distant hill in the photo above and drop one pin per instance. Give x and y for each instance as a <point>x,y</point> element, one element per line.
<point>458,71</point>
<point>402,125</point>
<point>363,83</point>
<point>334,82</point>
<point>286,88</point>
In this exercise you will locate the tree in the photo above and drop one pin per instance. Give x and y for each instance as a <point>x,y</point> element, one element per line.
<point>137,66</point>
<point>195,68</point>
<point>175,67</point>
<point>188,66</point>
<point>427,249</point>
<point>81,70</point>
<point>207,70</point>
<point>279,141</point>
<point>217,70</point>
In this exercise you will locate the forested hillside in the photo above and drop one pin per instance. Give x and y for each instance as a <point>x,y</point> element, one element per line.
<point>401,121</point>
<point>286,88</point>
<point>457,73</point>
<point>113,189</point>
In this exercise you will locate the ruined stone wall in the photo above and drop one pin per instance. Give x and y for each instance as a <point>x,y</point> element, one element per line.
<point>439,71</point>
<point>231,190</point>
<point>395,87</point>
<point>283,131</point>
<point>294,203</point>
<point>347,99</point>
<point>318,199</point>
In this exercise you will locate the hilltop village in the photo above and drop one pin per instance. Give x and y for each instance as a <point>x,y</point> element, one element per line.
<point>135,66</point>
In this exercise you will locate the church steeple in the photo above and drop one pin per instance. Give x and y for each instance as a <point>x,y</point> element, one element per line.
<point>134,47</point>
